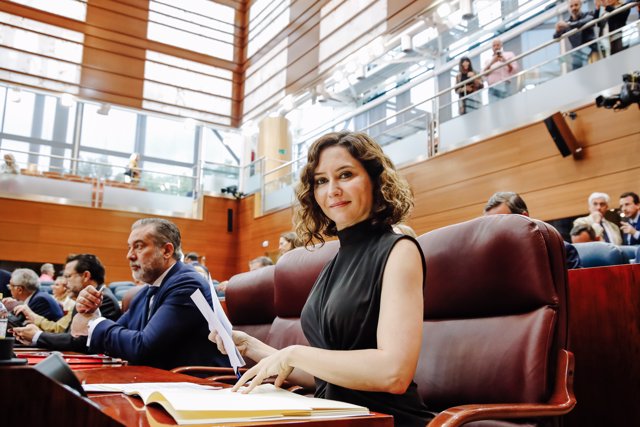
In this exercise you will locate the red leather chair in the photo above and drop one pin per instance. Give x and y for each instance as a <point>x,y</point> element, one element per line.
<point>249,299</point>
<point>296,272</point>
<point>495,324</point>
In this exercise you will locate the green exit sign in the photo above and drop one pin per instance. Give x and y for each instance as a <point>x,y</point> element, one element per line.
<point>282,151</point>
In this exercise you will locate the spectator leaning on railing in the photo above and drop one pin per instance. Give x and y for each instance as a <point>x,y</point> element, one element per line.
<point>577,19</point>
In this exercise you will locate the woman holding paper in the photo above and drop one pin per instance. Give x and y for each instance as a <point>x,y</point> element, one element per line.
<point>365,309</point>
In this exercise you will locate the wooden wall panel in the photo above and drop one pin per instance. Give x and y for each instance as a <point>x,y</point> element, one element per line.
<point>44,232</point>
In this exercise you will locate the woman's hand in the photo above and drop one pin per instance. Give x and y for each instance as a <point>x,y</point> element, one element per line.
<point>278,364</point>
<point>240,339</point>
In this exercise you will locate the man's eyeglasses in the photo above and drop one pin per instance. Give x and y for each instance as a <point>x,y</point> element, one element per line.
<point>69,276</point>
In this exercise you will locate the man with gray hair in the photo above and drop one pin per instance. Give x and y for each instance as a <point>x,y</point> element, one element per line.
<point>25,289</point>
<point>605,230</point>
<point>163,327</point>
<point>46,272</point>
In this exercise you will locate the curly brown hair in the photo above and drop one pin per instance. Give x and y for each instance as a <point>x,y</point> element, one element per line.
<point>392,198</point>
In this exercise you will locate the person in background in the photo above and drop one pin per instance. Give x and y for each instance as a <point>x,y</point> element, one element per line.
<point>288,241</point>
<point>630,222</point>
<point>577,19</point>
<point>191,257</point>
<point>508,202</point>
<point>500,83</point>
<point>62,294</point>
<point>133,169</point>
<point>162,328</point>
<point>613,23</point>
<point>25,289</point>
<point>366,307</point>
<point>46,272</point>
<point>465,72</point>
<point>80,271</point>
<point>10,165</point>
<point>583,233</point>
<point>259,262</point>
<point>605,230</point>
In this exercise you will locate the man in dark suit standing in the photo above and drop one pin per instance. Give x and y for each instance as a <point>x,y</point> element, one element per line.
<point>630,223</point>
<point>25,288</point>
<point>80,271</point>
<point>163,327</point>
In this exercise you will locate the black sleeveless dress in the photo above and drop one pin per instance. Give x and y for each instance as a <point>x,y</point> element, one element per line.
<point>342,312</point>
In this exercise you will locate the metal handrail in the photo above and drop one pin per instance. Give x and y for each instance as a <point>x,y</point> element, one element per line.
<point>78,160</point>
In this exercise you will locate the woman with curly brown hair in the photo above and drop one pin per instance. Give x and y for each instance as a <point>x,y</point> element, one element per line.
<point>365,310</point>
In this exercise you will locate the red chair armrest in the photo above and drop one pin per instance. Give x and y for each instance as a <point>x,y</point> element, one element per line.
<point>561,402</point>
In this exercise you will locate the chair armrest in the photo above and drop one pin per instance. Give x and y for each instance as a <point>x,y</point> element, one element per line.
<point>561,402</point>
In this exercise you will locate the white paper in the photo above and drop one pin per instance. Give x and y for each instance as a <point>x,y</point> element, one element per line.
<point>217,321</point>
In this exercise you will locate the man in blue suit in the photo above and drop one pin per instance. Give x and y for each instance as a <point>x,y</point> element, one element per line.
<point>25,288</point>
<point>162,328</point>
<point>630,224</point>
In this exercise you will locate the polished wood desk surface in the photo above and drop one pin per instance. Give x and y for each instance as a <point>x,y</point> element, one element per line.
<point>131,411</point>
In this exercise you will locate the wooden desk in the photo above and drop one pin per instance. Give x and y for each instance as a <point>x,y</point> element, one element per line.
<point>604,335</point>
<point>36,400</point>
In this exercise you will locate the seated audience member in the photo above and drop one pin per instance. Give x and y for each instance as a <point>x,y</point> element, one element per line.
<point>577,19</point>
<point>366,307</point>
<point>508,202</point>
<point>583,233</point>
<point>261,261</point>
<point>25,288</point>
<point>404,229</point>
<point>80,271</point>
<point>605,230</point>
<point>61,294</point>
<point>46,272</point>
<point>191,258</point>
<point>163,327</point>
<point>288,241</point>
<point>10,166</point>
<point>630,223</point>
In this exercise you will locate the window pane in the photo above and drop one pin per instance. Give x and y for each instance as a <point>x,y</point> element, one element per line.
<point>191,25</point>
<point>3,94</point>
<point>214,149</point>
<point>19,114</point>
<point>73,9</point>
<point>105,166</point>
<point>48,117</point>
<point>169,139</point>
<point>115,131</point>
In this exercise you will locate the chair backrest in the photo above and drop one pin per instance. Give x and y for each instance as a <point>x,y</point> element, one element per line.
<point>127,296</point>
<point>495,313</point>
<point>295,274</point>
<point>600,254</point>
<point>249,299</point>
<point>630,252</point>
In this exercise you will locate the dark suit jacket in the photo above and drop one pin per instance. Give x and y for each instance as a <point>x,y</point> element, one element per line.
<point>175,333</point>
<point>573,259</point>
<point>45,305</point>
<point>65,341</point>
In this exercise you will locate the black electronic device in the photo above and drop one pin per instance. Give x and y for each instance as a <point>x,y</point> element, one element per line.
<point>16,320</point>
<point>629,94</point>
<point>562,136</point>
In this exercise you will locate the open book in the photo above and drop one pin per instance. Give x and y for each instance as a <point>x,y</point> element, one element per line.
<point>190,403</point>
